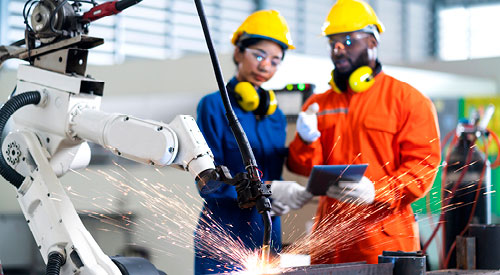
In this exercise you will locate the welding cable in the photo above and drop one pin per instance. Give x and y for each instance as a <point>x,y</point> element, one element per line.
<point>473,209</point>
<point>495,163</point>
<point>9,108</point>
<point>476,198</point>
<point>428,196</point>
<point>446,198</point>
<point>240,136</point>
<point>234,124</point>
<point>443,177</point>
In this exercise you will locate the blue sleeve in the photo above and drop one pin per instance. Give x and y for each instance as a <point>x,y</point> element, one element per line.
<point>208,118</point>
<point>212,123</point>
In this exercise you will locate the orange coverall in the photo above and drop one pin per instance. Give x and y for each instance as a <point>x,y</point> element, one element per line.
<point>393,128</point>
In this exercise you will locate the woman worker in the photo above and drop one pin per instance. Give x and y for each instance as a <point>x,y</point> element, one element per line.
<point>260,44</point>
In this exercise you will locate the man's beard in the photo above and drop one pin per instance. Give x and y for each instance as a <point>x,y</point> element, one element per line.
<point>342,78</point>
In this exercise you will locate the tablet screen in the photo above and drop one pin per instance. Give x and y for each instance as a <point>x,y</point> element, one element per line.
<point>322,176</point>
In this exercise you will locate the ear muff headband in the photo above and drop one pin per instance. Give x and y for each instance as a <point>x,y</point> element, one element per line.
<point>261,103</point>
<point>360,80</point>
<point>273,103</point>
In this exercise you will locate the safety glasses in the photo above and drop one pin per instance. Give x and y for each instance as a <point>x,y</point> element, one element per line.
<point>347,40</point>
<point>261,55</point>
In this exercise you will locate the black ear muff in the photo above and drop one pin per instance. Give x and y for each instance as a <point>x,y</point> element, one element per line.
<point>334,86</point>
<point>268,102</point>
<point>261,102</point>
<point>360,80</point>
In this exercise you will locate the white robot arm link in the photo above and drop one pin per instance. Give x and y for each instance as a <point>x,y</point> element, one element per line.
<point>179,143</point>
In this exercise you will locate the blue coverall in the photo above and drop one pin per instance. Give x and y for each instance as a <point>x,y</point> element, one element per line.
<point>267,137</point>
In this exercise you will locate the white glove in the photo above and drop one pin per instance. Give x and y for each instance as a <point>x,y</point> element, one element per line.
<point>278,208</point>
<point>290,193</point>
<point>307,124</point>
<point>362,192</point>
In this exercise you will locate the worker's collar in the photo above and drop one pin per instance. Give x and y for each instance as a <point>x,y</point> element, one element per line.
<point>231,84</point>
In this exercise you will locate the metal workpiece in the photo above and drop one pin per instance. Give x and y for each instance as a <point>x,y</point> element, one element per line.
<point>463,272</point>
<point>487,245</point>
<point>466,252</point>
<point>344,269</point>
<point>356,268</point>
<point>405,263</point>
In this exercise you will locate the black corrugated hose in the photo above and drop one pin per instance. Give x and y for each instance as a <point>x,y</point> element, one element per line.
<point>54,263</point>
<point>9,108</point>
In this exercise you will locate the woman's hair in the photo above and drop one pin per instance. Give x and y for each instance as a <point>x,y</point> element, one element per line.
<point>245,43</point>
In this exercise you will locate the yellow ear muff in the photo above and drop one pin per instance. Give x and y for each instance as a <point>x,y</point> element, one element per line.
<point>361,79</point>
<point>247,96</point>
<point>273,103</point>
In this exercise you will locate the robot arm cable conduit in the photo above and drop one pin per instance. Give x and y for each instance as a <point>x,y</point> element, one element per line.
<point>9,108</point>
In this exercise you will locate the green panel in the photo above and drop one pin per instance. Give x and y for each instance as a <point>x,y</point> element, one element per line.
<point>495,185</point>
<point>420,206</point>
<point>461,108</point>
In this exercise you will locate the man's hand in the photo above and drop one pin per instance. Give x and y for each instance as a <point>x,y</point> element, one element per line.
<point>290,193</point>
<point>307,124</point>
<point>362,192</point>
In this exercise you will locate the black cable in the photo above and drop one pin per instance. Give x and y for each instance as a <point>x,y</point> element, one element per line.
<point>26,13</point>
<point>234,124</point>
<point>53,15</point>
<point>263,204</point>
<point>9,108</point>
<point>30,33</point>
<point>54,263</point>
<point>123,4</point>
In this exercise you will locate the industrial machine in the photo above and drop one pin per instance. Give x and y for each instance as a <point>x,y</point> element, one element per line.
<point>55,110</point>
<point>470,189</point>
<point>466,184</point>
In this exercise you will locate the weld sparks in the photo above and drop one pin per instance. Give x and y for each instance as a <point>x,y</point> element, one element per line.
<point>173,219</point>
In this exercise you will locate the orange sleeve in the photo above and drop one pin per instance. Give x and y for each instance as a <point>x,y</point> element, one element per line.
<point>420,155</point>
<point>302,157</point>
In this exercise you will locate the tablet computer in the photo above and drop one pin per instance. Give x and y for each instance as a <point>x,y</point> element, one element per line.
<point>322,176</point>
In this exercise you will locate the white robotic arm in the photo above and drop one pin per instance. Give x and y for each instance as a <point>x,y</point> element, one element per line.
<point>56,111</point>
<point>68,115</point>
<point>50,137</point>
<point>179,143</point>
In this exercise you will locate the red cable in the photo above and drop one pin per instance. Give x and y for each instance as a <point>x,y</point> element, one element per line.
<point>443,175</point>
<point>445,198</point>
<point>471,216</point>
<point>496,163</point>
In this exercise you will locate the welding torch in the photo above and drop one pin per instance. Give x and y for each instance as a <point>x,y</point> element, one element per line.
<point>249,186</point>
<point>107,9</point>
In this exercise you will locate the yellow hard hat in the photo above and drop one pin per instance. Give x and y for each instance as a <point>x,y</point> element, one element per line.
<point>349,16</point>
<point>266,24</point>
